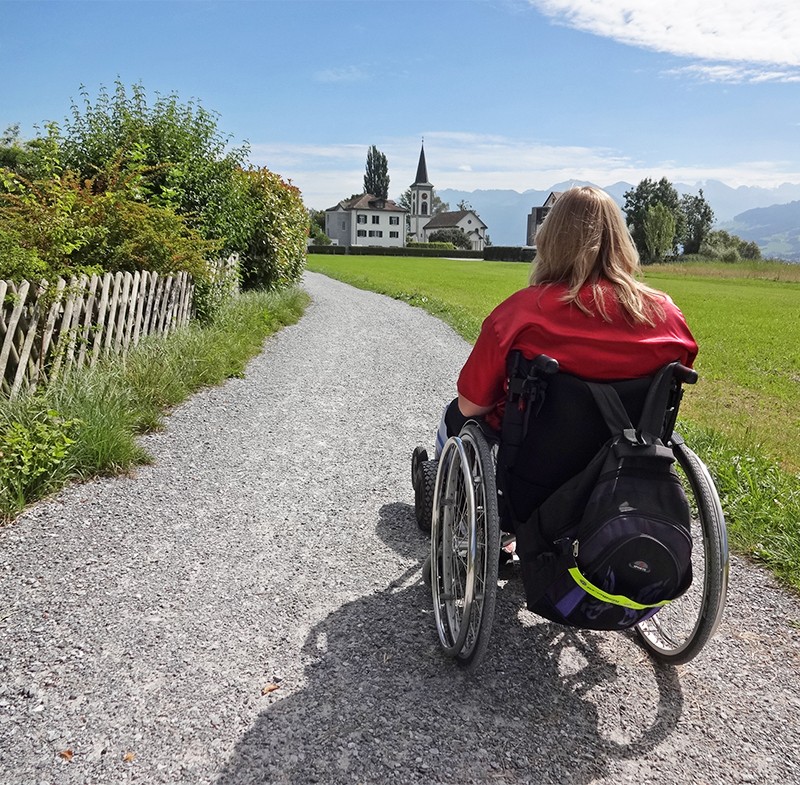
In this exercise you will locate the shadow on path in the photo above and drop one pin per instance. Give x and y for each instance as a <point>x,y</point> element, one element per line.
<point>381,703</point>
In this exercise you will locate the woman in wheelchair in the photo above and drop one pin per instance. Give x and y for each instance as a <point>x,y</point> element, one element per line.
<point>586,307</point>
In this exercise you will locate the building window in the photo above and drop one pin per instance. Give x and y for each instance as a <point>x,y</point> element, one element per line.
<point>361,219</point>
<point>362,233</point>
<point>394,234</point>
<point>344,225</point>
<point>376,219</point>
<point>394,220</point>
<point>424,207</point>
<point>375,233</point>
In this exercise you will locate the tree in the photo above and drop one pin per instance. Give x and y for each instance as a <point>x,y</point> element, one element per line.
<point>316,229</point>
<point>455,236</point>
<point>463,204</point>
<point>645,195</point>
<point>728,247</point>
<point>659,231</point>
<point>698,217</point>
<point>376,178</point>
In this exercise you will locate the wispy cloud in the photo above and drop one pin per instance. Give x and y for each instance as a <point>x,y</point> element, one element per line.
<point>765,33</point>
<point>468,162</point>
<point>347,73</point>
<point>736,74</point>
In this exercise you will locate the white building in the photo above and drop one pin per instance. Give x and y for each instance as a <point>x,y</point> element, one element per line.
<point>366,220</point>
<point>466,220</point>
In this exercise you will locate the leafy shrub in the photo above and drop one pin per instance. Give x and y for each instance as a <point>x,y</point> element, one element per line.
<point>455,236</point>
<point>214,289</point>
<point>275,255</point>
<point>63,226</point>
<point>18,263</point>
<point>34,456</point>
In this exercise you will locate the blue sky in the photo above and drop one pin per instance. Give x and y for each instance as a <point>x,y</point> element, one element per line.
<point>514,94</point>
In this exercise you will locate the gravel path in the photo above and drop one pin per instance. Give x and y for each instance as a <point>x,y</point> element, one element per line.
<point>272,543</point>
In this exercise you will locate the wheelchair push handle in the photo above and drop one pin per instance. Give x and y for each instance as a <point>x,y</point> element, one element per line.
<point>545,364</point>
<point>683,374</point>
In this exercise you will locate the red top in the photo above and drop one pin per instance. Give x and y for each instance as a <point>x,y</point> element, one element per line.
<point>536,321</point>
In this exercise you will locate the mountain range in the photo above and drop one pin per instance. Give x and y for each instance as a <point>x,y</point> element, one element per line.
<point>768,216</point>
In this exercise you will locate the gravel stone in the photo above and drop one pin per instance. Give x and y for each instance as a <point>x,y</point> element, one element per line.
<point>249,608</point>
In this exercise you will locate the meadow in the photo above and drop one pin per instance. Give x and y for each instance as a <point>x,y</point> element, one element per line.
<point>743,416</point>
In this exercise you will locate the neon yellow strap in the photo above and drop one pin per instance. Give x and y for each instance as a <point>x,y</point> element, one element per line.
<point>614,599</point>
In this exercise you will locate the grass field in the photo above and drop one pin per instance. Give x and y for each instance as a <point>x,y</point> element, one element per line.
<point>743,417</point>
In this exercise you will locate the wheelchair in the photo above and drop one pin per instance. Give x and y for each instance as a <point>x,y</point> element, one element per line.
<point>458,497</point>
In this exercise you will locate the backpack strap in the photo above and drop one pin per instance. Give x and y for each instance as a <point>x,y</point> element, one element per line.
<point>657,400</point>
<point>652,421</point>
<point>614,413</point>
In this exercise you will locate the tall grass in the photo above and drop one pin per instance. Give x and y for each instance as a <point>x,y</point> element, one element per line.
<point>742,414</point>
<point>89,421</point>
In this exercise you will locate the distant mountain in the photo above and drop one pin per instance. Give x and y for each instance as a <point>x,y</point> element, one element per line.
<point>506,211</point>
<point>776,229</point>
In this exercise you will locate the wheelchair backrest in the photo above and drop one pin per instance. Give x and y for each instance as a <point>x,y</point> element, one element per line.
<point>562,431</point>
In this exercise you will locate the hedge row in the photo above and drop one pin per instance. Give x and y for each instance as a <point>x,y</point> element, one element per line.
<point>366,250</point>
<point>509,253</point>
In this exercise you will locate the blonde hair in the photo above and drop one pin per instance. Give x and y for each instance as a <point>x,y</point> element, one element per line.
<point>584,241</point>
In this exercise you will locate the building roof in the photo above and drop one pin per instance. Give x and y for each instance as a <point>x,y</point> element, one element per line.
<point>422,169</point>
<point>368,202</point>
<point>450,220</point>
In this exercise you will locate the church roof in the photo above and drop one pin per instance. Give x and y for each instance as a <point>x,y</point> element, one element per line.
<point>450,220</point>
<point>422,169</point>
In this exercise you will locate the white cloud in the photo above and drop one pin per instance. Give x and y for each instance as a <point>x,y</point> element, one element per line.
<point>766,32</point>
<point>736,74</point>
<point>348,73</point>
<point>467,162</point>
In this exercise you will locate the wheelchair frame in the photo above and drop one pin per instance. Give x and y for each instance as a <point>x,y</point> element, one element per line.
<point>465,543</point>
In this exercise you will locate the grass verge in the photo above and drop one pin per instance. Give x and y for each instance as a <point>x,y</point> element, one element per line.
<point>87,423</point>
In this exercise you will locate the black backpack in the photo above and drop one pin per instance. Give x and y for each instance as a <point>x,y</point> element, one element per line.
<point>612,545</point>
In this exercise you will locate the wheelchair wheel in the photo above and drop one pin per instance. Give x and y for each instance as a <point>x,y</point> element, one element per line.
<point>465,544</point>
<point>423,494</point>
<point>678,632</point>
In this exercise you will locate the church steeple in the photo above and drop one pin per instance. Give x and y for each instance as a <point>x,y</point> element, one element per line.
<point>422,168</point>
<point>421,199</point>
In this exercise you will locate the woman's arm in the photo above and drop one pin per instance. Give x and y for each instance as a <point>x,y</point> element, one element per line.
<point>470,409</point>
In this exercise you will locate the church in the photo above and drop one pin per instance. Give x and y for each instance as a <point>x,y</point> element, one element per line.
<point>421,221</point>
<point>367,220</point>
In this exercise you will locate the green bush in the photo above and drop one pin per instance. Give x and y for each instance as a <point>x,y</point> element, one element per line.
<point>275,255</point>
<point>64,226</point>
<point>216,288</point>
<point>35,448</point>
<point>457,237</point>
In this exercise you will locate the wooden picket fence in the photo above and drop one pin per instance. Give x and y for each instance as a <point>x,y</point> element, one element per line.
<point>44,332</point>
